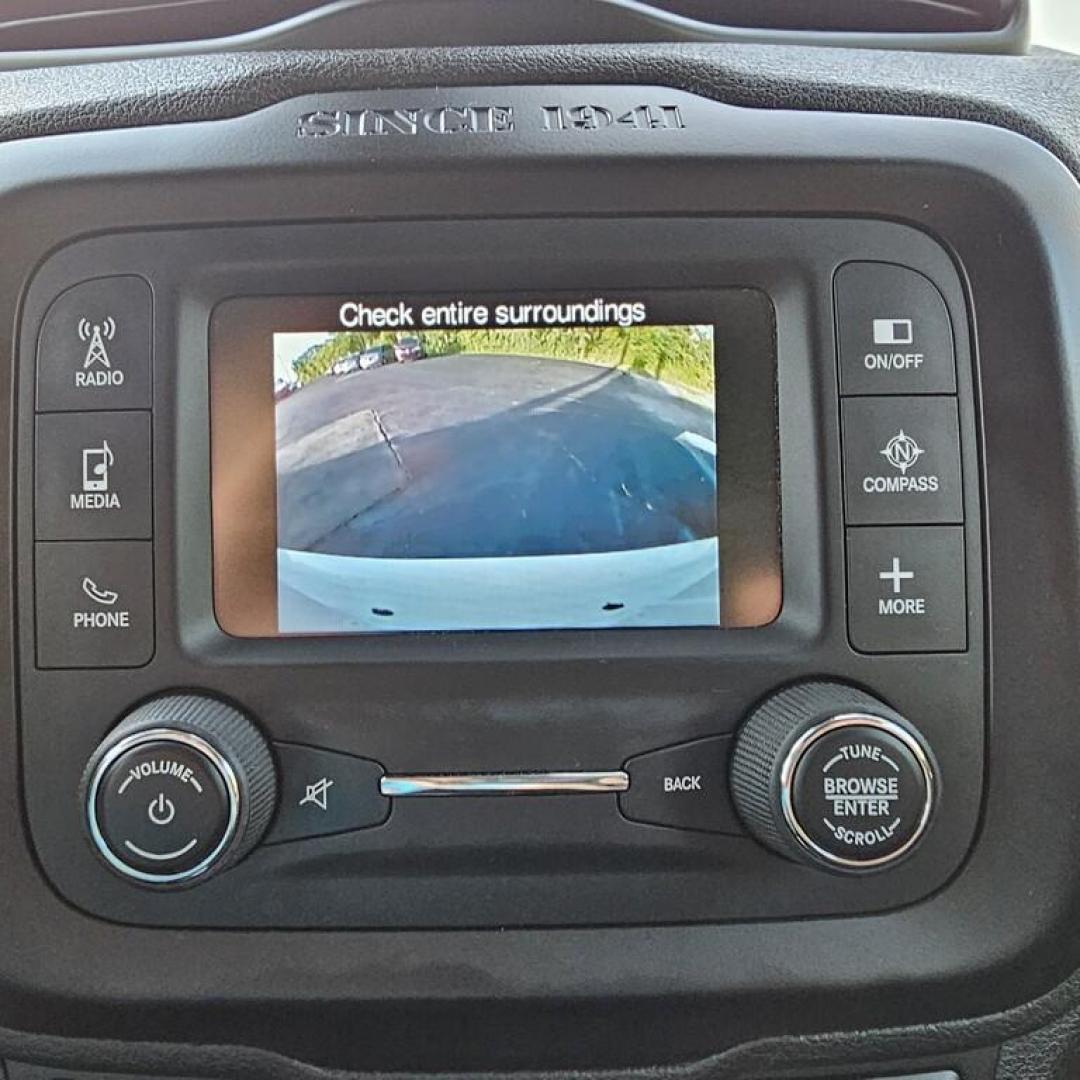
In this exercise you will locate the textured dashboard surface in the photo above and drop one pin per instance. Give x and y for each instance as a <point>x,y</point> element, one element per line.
<point>1037,96</point>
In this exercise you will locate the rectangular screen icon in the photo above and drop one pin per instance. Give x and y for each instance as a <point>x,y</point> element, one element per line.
<point>893,332</point>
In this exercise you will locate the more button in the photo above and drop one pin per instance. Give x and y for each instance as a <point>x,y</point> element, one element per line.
<point>907,590</point>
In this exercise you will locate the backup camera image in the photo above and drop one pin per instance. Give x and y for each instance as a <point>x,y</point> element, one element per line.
<point>499,478</point>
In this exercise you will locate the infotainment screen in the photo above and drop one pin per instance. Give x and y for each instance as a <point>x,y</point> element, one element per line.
<point>494,462</point>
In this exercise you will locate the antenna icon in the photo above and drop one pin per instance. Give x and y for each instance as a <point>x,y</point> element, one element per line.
<point>95,335</point>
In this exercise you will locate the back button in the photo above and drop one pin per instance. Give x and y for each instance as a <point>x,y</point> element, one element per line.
<point>323,792</point>
<point>682,787</point>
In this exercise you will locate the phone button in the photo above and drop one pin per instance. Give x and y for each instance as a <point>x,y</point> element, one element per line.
<point>94,604</point>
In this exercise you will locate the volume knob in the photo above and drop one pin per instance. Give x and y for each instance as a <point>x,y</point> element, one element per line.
<point>828,775</point>
<point>182,788</point>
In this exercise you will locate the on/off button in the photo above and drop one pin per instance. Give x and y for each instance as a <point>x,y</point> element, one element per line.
<point>895,332</point>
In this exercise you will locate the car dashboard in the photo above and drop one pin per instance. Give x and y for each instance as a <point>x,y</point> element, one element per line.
<point>551,559</point>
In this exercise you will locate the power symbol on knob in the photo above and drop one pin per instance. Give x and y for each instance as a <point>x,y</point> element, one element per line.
<point>161,810</point>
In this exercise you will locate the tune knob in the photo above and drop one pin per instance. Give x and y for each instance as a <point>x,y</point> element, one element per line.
<point>829,775</point>
<point>182,788</point>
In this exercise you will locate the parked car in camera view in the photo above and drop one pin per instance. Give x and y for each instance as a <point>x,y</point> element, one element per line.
<point>409,348</point>
<point>375,357</point>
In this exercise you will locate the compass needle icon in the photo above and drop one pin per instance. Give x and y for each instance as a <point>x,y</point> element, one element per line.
<point>902,451</point>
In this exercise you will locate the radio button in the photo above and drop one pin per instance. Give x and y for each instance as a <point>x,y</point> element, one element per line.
<point>92,476</point>
<point>94,347</point>
<point>682,787</point>
<point>323,792</point>
<point>906,590</point>
<point>902,461</point>
<point>895,333</point>
<point>94,604</point>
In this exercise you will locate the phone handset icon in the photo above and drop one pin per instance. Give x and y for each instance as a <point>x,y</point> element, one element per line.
<point>100,596</point>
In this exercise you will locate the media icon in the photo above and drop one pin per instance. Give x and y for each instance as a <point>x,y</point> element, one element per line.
<point>96,463</point>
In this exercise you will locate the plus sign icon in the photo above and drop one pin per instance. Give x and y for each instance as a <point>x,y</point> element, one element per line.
<point>897,576</point>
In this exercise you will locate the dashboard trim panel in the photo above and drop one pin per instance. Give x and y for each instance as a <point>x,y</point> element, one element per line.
<point>769,163</point>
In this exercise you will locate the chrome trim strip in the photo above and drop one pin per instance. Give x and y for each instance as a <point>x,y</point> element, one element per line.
<point>193,742</point>
<point>836,723</point>
<point>540,783</point>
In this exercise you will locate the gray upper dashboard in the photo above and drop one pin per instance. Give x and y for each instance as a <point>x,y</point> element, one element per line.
<point>1037,95</point>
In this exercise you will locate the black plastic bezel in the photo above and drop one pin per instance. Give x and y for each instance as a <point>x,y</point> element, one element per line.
<point>492,701</point>
<point>1000,932</point>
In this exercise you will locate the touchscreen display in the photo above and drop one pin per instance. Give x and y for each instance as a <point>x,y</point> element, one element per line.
<point>495,463</point>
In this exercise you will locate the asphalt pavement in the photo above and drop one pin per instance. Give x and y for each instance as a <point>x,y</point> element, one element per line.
<point>484,456</point>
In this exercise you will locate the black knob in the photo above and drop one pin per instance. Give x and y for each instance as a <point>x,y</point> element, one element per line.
<point>182,788</point>
<point>828,775</point>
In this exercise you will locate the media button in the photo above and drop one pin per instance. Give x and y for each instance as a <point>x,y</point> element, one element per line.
<point>94,604</point>
<point>682,787</point>
<point>906,590</point>
<point>902,461</point>
<point>895,335</point>
<point>94,347</point>
<point>92,476</point>
<point>323,792</point>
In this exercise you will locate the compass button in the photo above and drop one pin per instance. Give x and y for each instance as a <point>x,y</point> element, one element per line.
<point>902,461</point>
